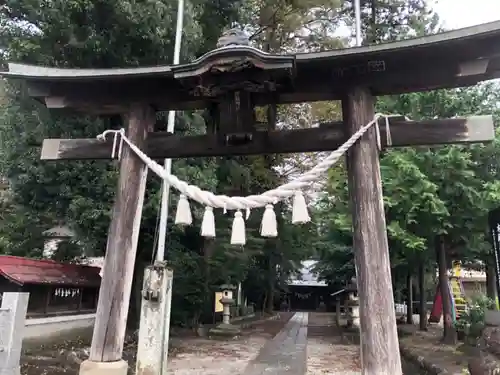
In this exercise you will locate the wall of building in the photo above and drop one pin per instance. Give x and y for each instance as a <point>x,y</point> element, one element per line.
<point>474,287</point>
<point>58,328</point>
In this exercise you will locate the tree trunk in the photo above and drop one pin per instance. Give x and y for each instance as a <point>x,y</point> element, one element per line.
<point>208,247</point>
<point>271,272</point>
<point>491,282</point>
<point>264,301</point>
<point>409,298</point>
<point>397,291</point>
<point>449,333</point>
<point>374,26</point>
<point>422,297</point>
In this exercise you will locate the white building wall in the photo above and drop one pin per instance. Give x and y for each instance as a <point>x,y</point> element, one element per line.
<point>55,327</point>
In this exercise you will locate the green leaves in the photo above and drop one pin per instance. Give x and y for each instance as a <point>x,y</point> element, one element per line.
<point>427,191</point>
<point>444,190</point>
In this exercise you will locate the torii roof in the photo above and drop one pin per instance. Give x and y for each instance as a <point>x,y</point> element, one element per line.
<point>450,59</point>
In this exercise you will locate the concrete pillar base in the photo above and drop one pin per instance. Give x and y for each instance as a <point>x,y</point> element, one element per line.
<point>104,368</point>
<point>10,371</point>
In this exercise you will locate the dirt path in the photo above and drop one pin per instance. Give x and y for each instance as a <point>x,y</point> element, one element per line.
<point>286,353</point>
<point>211,357</point>
<point>329,352</point>
<point>190,355</point>
<point>295,344</point>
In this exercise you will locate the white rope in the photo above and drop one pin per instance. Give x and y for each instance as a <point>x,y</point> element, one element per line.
<point>252,201</point>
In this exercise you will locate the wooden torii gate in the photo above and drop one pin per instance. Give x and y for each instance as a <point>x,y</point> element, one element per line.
<point>229,83</point>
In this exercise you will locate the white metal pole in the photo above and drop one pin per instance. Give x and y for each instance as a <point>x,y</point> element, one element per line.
<point>162,234</point>
<point>357,16</point>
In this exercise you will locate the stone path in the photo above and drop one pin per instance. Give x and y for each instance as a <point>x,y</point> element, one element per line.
<point>286,353</point>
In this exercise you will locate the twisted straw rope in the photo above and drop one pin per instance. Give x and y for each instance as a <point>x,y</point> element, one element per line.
<point>252,201</point>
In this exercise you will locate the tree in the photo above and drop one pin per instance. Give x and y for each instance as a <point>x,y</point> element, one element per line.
<point>106,34</point>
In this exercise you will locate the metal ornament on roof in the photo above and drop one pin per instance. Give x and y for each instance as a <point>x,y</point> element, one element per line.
<point>252,69</point>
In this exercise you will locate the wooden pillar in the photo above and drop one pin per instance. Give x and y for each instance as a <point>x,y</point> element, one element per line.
<point>114,295</point>
<point>449,332</point>
<point>491,282</point>
<point>379,339</point>
<point>423,296</point>
<point>80,298</point>
<point>409,297</point>
<point>337,311</point>
<point>47,298</point>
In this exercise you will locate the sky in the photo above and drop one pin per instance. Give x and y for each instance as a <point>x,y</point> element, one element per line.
<point>456,14</point>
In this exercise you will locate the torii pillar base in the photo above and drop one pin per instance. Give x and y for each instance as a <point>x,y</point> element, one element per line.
<point>104,368</point>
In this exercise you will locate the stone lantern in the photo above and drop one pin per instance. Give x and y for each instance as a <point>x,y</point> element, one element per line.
<point>225,328</point>
<point>227,301</point>
<point>352,303</point>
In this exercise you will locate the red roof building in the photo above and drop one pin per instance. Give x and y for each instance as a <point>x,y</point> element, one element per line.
<point>55,288</point>
<point>23,271</point>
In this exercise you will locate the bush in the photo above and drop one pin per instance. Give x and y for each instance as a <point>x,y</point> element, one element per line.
<point>472,321</point>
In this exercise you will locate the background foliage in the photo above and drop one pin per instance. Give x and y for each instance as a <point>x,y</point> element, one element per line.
<point>427,191</point>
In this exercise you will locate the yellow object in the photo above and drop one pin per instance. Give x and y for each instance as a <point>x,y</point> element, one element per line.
<point>457,269</point>
<point>457,293</point>
<point>218,306</point>
<point>456,290</point>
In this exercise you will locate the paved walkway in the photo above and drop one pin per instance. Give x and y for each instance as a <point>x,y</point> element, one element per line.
<point>286,353</point>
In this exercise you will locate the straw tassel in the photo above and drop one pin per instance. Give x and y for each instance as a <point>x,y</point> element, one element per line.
<point>208,223</point>
<point>238,236</point>
<point>299,209</point>
<point>183,215</point>
<point>269,225</point>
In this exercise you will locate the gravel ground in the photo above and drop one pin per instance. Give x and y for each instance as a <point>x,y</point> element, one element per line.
<point>328,352</point>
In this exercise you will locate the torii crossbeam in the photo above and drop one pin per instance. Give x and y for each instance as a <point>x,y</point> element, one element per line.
<point>229,82</point>
<point>328,136</point>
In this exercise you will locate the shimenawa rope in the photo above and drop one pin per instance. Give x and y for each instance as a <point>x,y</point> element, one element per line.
<point>266,199</point>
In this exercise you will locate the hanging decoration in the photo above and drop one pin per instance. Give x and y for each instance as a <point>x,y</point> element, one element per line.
<point>269,226</point>
<point>208,223</point>
<point>183,215</point>
<point>238,236</point>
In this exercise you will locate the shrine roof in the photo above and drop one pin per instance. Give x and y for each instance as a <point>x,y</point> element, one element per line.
<point>307,277</point>
<point>435,40</point>
<point>450,59</point>
<point>23,271</point>
<point>50,73</point>
<point>457,35</point>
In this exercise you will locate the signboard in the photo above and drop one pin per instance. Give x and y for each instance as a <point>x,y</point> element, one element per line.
<point>218,306</point>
